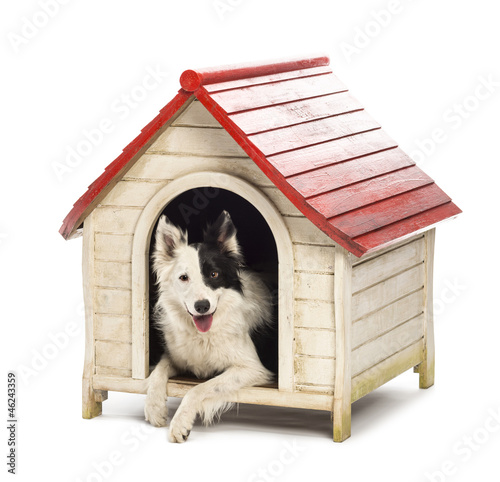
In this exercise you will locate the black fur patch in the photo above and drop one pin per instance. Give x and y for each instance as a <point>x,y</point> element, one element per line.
<point>228,268</point>
<point>222,233</point>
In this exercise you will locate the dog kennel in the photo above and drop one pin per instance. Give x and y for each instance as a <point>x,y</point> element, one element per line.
<point>348,218</point>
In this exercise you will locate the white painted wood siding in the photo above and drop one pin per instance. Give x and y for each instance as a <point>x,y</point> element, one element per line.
<point>387,309</point>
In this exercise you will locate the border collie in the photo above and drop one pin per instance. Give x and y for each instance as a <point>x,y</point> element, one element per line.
<point>209,309</point>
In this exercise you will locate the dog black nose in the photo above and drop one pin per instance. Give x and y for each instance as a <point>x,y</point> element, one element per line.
<point>202,306</point>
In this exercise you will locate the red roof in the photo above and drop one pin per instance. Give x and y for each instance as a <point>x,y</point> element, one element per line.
<point>314,141</point>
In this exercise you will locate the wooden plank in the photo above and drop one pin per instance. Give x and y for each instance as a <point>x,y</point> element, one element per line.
<point>112,247</point>
<point>197,141</point>
<point>132,193</point>
<point>328,153</point>
<point>140,305</point>
<point>386,292</point>
<point>91,406</point>
<point>277,92</point>
<point>110,274</point>
<point>374,325</point>
<point>196,115</point>
<point>373,352</point>
<point>314,314</point>
<point>386,370</point>
<point>110,354</point>
<point>284,206</point>
<point>305,232</point>
<point>426,368</point>
<point>113,328</point>
<point>376,189</point>
<point>407,227</point>
<point>394,209</point>
<point>335,176</point>
<point>314,342</point>
<point>386,265</point>
<point>273,397</point>
<point>112,301</point>
<point>283,115</point>
<point>314,370</point>
<point>116,219</point>
<point>315,389</point>
<point>320,259</point>
<point>171,166</point>
<point>381,251</point>
<point>266,79</point>
<point>313,286</point>
<point>113,372</point>
<point>302,135</point>
<point>343,343</point>
<point>252,395</point>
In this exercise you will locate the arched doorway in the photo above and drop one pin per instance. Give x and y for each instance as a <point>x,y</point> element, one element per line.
<point>188,201</point>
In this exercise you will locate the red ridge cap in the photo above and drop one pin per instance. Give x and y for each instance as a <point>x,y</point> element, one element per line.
<point>191,80</point>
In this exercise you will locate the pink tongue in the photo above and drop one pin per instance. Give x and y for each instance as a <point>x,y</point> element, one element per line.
<point>203,323</point>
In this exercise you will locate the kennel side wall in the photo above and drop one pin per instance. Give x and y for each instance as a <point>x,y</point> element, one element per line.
<point>196,142</point>
<point>388,310</point>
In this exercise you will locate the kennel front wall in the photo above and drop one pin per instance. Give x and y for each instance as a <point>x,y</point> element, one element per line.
<point>379,300</point>
<point>194,143</point>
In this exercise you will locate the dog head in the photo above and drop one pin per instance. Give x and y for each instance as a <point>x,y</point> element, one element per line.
<point>195,277</point>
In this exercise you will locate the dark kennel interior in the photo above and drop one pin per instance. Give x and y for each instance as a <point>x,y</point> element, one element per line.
<point>193,210</point>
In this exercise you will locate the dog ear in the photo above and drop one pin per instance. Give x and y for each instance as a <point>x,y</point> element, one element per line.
<point>168,238</point>
<point>223,233</point>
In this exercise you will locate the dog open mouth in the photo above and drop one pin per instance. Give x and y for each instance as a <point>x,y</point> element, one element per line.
<point>203,322</point>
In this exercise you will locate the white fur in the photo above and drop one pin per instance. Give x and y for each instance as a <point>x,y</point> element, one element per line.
<point>226,348</point>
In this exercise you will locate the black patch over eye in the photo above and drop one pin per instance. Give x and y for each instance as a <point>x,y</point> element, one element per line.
<point>184,277</point>
<point>219,270</point>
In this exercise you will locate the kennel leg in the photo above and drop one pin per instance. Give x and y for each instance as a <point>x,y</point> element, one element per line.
<point>426,368</point>
<point>341,420</point>
<point>343,335</point>
<point>91,399</point>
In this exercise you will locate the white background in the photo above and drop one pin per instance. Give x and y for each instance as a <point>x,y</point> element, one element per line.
<point>413,69</point>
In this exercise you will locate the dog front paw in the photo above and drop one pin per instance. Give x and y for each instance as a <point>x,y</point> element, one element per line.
<point>180,428</point>
<point>156,411</point>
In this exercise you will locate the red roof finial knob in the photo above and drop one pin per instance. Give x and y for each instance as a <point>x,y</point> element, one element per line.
<point>190,80</point>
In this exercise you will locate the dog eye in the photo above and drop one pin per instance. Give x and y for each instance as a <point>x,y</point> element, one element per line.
<point>184,277</point>
<point>214,274</point>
